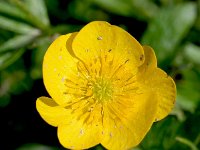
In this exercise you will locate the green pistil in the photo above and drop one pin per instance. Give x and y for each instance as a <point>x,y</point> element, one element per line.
<point>102,90</point>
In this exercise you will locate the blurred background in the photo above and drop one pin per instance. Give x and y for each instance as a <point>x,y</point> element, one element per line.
<point>27,27</point>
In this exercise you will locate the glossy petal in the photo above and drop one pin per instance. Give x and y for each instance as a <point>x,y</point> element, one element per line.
<point>58,66</point>
<point>150,58</point>
<point>79,135</point>
<point>125,127</point>
<point>165,88</point>
<point>156,80</point>
<point>101,40</point>
<point>106,86</point>
<point>51,112</point>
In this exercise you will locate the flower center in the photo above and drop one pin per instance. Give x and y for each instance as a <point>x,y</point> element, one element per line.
<point>102,89</point>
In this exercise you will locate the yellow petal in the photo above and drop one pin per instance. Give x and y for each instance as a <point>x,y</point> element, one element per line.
<point>51,112</point>
<point>150,58</point>
<point>79,135</point>
<point>58,66</point>
<point>124,128</point>
<point>156,80</point>
<point>100,40</point>
<point>165,88</point>
<point>127,44</point>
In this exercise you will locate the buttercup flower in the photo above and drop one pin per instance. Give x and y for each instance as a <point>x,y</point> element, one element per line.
<point>105,88</point>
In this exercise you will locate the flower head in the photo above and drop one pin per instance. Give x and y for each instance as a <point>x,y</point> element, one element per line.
<point>105,88</point>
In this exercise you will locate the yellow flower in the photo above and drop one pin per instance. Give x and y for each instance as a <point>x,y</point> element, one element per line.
<point>106,88</point>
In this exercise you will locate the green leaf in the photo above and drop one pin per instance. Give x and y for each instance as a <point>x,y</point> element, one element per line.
<point>9,58</point>
<point>15,78</point>
<point>77,9</point>
<point>144,9</point>
<point>98,147</point>
<point>188,89</point>
<point>18,41</point>
<point>33,146</point>
<point>38,9</point>
<point>168,28</point>
<point>4,99</point>
<point>115,6</point>
<point>162,135</point>
<point>11,10</point>
<point>136,148</point>
<point>192,53</point>
<point>141,9</point>
<point>179,113</point>
<point>35,11</point>
<point>15,26</point>
<point>65,28</point>
<point>187,142</point>
<point>198,17</point>
<point>32,11</point>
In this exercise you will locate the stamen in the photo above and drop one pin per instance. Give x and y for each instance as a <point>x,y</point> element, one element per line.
<point>126,61</point>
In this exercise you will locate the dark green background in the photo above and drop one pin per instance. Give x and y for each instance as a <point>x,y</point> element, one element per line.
<point>27,27</point>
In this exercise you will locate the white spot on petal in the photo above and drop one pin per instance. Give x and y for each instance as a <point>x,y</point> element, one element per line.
<point>60,57</point>
<point>63,79</point>
<point>99,38</point>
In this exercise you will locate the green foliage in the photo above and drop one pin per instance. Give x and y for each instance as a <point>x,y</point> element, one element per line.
<point>192,53</point>
<point>142,9</point>
<point>168,28</point>
<point>36,147</point>
<point>15,26</point>
<point>171,27</point>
